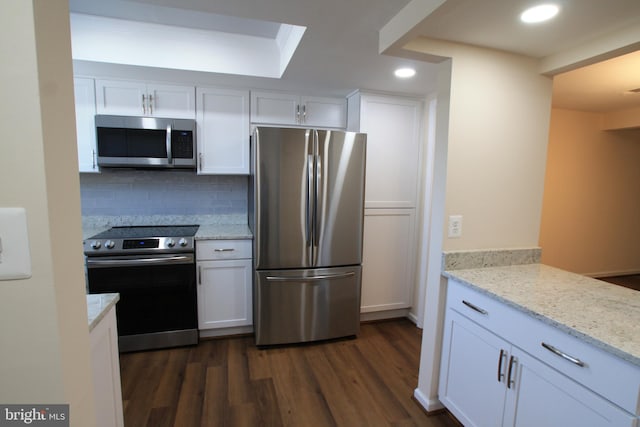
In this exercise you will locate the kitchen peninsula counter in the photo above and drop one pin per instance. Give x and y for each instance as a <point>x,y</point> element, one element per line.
<point>605,315</point>
<point>98,305</point>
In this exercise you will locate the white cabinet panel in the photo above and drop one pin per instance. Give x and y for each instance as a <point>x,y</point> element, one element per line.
<point>274,108</point>
<point>324,112</point>
<point>469,384</point>
<point>172,101</point>
<point>223,131</point>
<point>393,127</point>
<point>85,103</point>
<point>134,98</point>
<point>544,397</point>
<point>224,294</point>
<point>105,364</point>
<point>388,260</point>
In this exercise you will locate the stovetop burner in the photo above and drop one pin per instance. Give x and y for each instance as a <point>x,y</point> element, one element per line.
<point>142,239</point>
<point>140,231</point>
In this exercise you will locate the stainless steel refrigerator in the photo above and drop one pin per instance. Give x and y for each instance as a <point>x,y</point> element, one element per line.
<point>306,213</point>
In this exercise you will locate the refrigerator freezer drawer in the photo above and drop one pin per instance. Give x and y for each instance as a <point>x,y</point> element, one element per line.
<point>292,306</point>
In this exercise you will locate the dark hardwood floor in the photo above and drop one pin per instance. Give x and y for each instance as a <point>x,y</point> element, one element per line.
<point>631,281</point>
<point>368,381</point>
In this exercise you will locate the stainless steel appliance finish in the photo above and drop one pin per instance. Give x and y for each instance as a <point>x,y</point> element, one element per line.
<point>307,198</point>
<point>153,270</point>
<point>145,142</point>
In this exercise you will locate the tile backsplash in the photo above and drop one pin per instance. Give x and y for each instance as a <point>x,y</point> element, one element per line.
<point>139,192</point>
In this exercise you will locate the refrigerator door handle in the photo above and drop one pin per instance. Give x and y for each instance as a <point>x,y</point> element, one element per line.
<point>310,278</point>
<point>309,203</point>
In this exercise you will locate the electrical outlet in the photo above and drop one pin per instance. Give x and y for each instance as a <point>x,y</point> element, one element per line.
<point>455,226</point>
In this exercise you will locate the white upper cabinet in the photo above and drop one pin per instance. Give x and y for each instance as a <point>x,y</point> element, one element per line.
<point>275,108</point>
<point>223,131</point>
<point>85,102</point>
<point>393,127</point>
<point>134,98</point>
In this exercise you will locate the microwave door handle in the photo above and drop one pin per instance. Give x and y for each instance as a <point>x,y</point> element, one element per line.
<point>169,158</point>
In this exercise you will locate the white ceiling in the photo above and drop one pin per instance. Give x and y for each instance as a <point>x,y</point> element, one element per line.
<point>339,51</point>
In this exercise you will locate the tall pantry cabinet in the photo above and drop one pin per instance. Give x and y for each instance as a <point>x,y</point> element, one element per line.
<point>394,138</point>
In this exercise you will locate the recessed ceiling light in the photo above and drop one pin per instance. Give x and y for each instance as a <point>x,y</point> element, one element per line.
<point>404,73</point>
<point>540,13</point>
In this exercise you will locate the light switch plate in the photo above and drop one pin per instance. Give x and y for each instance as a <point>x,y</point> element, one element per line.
<point>15,258</point>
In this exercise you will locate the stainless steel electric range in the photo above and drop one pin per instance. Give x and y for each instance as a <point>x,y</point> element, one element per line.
<point>153,270</point>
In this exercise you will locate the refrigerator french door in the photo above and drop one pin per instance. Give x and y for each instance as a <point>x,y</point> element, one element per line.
<point>307,196</point>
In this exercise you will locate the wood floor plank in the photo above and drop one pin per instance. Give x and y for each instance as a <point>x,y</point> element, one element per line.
<point>229,382</point>
<point>189,408</point>
<point>267,403</point>
<point>215,405</point>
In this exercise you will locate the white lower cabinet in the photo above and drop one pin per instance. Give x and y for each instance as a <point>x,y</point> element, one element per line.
<point>487,380</point>
<point>224,283</point>
<point>105,365</point>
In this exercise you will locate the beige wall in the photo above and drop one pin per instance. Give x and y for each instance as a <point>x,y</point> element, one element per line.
<point>44,356</point>
<point>590,222</point>
<point>497,141</point>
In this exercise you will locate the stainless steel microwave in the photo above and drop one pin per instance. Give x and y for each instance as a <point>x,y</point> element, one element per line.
<point>145,142</point>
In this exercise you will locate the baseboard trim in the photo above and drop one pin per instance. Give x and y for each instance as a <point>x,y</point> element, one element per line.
<point>386,314</point>
<point>429,405</point>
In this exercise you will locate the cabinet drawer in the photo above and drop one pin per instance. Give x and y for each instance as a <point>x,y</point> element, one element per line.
<point>223,249</point>
<point>604,373</point>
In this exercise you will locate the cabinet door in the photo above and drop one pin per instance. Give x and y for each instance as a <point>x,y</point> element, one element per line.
<point>393,150</point>
<point>544,397</point>
<point>120,97</point>
<point>223,131</point>
<point>171,101</point>
<point>472,374</point>
<point>224,294</point>
<point>387,261</point>
<point>85,102</point>
<point>105,364</point>
<point>324,112</point>
<point>275,108</point>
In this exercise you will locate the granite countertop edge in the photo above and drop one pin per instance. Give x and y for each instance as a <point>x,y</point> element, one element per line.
<point>460,276</point>
<point>98,305</point>
<point>211,227</point>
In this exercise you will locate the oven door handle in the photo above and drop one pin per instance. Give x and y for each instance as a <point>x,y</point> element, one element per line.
<point>137,262</point>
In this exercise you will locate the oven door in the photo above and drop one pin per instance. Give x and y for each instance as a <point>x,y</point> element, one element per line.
<point>157,296</point>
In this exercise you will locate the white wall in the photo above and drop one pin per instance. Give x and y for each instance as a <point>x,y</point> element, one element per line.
<point>492,130</point>
<point>45,341</point>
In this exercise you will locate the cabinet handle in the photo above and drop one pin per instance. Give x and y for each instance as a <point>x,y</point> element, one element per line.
<point>144,104</point>
<point>200,165</point>
<point>511,381</point>
<point>564,355</point>
<point>151,105</point>
<point>298,113</point>
<point>224,250</point>
<point>500,373</point>
<point>304,114</point>
<point>475,307</point>
<point>199,275</point>
<point>93,158</point>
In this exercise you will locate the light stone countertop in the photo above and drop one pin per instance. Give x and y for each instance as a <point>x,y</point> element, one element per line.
<point>223,231</point>
<point>98,305</point>
<point>602,314</point>
<point>211,226</point>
